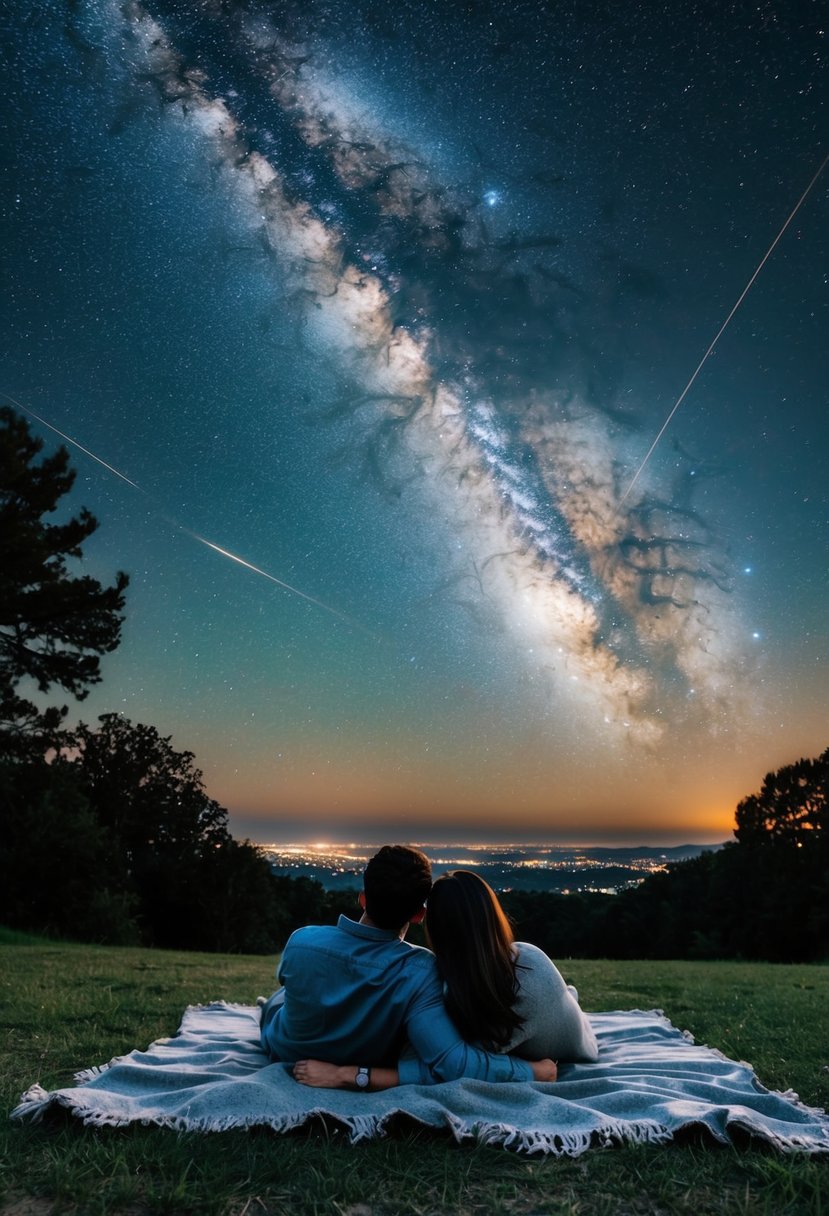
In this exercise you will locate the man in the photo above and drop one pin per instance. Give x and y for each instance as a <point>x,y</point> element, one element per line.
<point>358,991</point>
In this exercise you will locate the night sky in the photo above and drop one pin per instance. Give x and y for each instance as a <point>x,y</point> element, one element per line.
<point>390,300</point>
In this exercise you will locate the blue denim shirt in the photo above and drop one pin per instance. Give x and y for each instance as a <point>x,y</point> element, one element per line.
<point>355,994</point>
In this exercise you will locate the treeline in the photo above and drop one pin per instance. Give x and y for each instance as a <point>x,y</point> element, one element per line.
<point>765,896</point>
<point>115,840</point>
<point>743,902</point>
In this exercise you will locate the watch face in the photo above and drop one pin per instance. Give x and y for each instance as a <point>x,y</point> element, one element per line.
<point>362,1078</point>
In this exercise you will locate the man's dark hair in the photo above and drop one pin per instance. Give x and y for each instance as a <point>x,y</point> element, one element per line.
<point>397,881</point>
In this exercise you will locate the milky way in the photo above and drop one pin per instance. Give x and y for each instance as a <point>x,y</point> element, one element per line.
<point>458,345</point>
<point>446,339</point>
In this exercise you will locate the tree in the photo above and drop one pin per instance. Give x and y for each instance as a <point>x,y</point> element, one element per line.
<point>195,886</point>
<point>54,625</point>
<point>791,807</point>
<point>116,840</point>
<point>55,875</point>
<point>150,797</point>
<point>150,802</point>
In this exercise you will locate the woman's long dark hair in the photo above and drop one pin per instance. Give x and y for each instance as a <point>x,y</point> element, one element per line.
<point>473,944</point>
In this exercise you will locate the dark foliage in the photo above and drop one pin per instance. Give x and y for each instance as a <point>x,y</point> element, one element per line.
<point>117,841</point>
<point>54,864</point>
<point>195,886</point>
<point>561,925</point>
<point>54,625</point>
<point>791,808</point>
<point>765,897</point>
<point>745,902</point>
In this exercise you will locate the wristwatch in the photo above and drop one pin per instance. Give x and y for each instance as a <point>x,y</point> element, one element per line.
<point>363,1079</point>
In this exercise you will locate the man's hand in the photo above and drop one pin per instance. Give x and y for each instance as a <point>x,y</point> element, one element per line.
<point>324,1076</point>
<point>544,1070</point>
<point>342,1076</point>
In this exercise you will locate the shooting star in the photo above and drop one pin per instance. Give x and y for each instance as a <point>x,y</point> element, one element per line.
<point>74,442</point>
<point>188,531</point>
<point>234,557</point>
<point>722,330</point>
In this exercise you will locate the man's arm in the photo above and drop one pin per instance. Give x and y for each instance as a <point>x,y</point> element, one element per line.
<point>320,1075</point>
<point>440,1052</point>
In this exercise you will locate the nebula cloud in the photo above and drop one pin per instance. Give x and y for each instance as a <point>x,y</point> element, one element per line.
<point>453,347</point>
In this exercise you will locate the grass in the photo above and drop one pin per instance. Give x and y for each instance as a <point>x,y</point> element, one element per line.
<point>66,1006</point>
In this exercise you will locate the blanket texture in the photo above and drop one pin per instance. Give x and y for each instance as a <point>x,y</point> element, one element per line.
<point>651,1080</point>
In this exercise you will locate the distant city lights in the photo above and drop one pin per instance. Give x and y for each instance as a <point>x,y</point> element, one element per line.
<point>567,869</point>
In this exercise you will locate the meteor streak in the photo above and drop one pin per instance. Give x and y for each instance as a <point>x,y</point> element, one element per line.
<point>187,531</point>
<point>74,442</point>
<point>287,586</point>
<point>722,330</point>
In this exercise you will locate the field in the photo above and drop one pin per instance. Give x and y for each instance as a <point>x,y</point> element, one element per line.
<point>66,1007</point>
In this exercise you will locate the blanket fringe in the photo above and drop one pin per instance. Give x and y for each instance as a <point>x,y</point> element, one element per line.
<point>36,1101</point>
<point>360,1126</point>
<point>220,1005</point>
<point>559,1144</point>
<point>32,1104</point>
<point>89,1074</point>
<point>574,1144</point>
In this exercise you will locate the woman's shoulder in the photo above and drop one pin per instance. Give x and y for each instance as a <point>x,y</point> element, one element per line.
<point>533,957</point>
<point>528,950</point>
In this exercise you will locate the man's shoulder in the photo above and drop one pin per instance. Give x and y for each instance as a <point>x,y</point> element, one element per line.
<point>337,937</point>
<point>420,957</point>
<point>310,935</point>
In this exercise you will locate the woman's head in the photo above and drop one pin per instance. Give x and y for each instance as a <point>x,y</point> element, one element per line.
<point>472,940</point>
<point>461,907</point>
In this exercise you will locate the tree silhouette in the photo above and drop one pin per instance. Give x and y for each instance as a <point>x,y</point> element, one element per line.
<point>791,807</point>
<point>54,625</point>
<point>149,797</point>
<point>150,802</point>
<point>55,871</point>
<point>195,887</point>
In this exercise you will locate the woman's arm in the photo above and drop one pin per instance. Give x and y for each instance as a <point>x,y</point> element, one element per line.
<point>554,1023</point>
<point>320,1075</point>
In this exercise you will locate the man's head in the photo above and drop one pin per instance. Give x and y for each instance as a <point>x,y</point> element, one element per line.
<point>396,882</point>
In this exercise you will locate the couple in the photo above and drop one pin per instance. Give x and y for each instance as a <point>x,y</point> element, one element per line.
<point>361,1009</point>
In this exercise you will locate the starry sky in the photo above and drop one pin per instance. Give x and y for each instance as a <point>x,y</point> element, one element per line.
<point>390,301</point>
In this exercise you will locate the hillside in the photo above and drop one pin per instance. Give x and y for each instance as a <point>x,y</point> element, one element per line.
<point>69,1006</point>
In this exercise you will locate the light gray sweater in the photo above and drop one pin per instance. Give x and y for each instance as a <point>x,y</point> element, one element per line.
<point>554,1025</point>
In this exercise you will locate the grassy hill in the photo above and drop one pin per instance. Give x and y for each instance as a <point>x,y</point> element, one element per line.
<point>66,1007</point>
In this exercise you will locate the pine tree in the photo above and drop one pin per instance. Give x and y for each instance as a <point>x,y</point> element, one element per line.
<point>54,624</point>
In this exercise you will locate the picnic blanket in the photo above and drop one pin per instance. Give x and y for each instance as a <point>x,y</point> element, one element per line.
<point>650,1082</point>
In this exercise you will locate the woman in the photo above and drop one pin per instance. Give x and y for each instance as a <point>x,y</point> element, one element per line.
<point>502,994</point>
